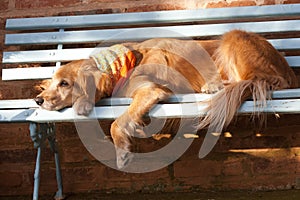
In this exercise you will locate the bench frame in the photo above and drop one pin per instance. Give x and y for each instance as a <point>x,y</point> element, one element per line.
<point>195,24</point>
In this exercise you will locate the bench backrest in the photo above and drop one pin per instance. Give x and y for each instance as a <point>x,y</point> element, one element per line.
<point>52,39</point>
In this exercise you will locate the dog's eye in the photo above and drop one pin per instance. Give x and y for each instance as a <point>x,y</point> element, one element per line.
<point>64,84</point>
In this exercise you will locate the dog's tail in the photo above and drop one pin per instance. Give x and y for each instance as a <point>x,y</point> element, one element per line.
<point>224,105</point>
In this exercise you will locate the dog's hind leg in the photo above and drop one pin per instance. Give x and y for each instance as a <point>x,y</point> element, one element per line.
<point>124,127</point>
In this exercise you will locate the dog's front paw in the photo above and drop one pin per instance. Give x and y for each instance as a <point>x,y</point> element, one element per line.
<point>123,143</point>
<point>124,158</point>
<point>83,107</point>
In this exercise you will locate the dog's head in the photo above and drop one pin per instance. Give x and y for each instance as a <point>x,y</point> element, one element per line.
<point>77,83</point>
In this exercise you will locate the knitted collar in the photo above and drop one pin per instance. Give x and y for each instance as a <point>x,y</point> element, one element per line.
<point>116,60</point>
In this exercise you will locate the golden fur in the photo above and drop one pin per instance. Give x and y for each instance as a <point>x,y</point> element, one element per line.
<point>246,62</point>
<point>250,67</point>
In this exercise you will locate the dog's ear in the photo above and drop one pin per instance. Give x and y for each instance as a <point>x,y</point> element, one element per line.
<point>91,83</point>
<point>86,82</point>
<point>42,85</point>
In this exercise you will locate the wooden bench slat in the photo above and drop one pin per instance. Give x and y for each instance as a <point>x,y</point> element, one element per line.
<point>55,55</point>
<point>294,61</point>
<point>47,72</point>
<point>113,101</point>
<point>157,17</point>
<point>18,103</point>
<point>290,106</point>
<point>27,73</point>
<point>127,34</point>
<point>287,93</point>
<point>42,56</point>
<point>198,97</point>
<point>15,115</point>
<point>186,110</point>
<point>286,44</point>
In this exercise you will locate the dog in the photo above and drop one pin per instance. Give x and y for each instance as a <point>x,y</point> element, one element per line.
<point>162,67</point>
<point>243,64</point>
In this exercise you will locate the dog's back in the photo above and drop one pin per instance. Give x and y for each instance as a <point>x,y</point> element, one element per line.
<point>183,66</point>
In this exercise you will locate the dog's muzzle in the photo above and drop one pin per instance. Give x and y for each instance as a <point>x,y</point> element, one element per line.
<point>39,100</point>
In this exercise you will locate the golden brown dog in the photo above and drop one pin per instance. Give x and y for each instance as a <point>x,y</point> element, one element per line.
<point>245,61</point>
<point>162,67</point>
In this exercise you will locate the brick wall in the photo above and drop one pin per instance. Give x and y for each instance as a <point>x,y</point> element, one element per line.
<point>245,161</point>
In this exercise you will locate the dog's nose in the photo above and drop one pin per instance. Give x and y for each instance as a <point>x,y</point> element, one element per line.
<point>39,100</point>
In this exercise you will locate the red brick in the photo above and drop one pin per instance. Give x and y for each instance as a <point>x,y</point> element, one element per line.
<point>220,4</point>
<point>15,137</point>
<point>197,168</point>
<point>297,159</point>
<point>4,5</point>
<point>233,166</point>
<point>10,179</point>
<point>286,166</point>
<point>83,177</point>
<point>23,4</point>
<point>113,174</point>
<point>61,3</point>
<point>74,151</point>
<point>28,4</point>
<point>17,156</point>
<point>66,132</point>
<point>16,178</point>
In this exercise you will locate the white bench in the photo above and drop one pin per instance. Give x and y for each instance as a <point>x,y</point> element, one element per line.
<point>70,31</point>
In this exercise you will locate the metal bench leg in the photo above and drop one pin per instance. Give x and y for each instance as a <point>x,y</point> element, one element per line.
<point>37,175</point>
<point>36,138</point>
<point>52,141</point>
<point>59,194</point>
<point>39,133</point>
